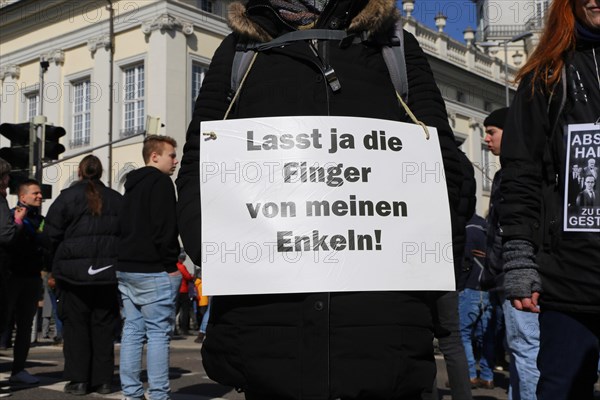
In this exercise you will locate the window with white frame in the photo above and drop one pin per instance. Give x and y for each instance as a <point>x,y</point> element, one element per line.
<point>81,114</point>
<point>33,104</point>
<point>206,5</point>
<point>217,7</point>
<point>198,73</point>
<point>541,7</point>
<point>133,109</point>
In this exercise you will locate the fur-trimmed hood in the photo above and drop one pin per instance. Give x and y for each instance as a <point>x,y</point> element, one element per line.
<point>375,15</point>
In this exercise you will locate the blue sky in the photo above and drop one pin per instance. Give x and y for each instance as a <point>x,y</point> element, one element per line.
<point>460,13</point>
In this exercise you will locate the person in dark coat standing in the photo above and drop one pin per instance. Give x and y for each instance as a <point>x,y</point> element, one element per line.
<point>447,323</point>
<point>147,271</point>
<point>83,228</point>
<point>350,345</point>
<point>475,309</point>
<point>551,263</point>
<point>9,229</point>
<point>521,333</point>
<point>25,261</point>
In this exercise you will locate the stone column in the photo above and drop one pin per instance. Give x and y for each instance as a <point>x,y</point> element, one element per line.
<point>54,90</point>
<point>167,74</point>
<point>9,75</point>
<point>100,99</point>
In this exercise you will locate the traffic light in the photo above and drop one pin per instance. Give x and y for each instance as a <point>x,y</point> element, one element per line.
<point>20,145</point>
<point>52,147</point>
<point>19,153</point>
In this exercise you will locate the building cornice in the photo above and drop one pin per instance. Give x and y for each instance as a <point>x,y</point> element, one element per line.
<point>166,22</point>
<point>102,41</point>
<point>10,71</point>
<point>56,56</point>
<point>89,35</point>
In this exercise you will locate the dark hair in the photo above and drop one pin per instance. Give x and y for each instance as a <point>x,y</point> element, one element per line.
<point>4,167</point>
<point>90,169</point>
<point>25,184</point>
<point>156,144</point>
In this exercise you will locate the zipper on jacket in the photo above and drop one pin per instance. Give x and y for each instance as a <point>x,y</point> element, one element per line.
<point>326,69</point>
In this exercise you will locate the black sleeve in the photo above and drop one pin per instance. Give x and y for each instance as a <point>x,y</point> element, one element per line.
<point>426,102</point>
<point>464,212</point>
<point>8,228</point>
<point>55,224</point>
<point>522,159</point>
<point>211,105</point>
<point>164,219</point>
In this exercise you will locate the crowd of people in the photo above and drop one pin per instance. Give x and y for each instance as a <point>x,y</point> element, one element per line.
<point>99,265</point>
<point>527,276</point>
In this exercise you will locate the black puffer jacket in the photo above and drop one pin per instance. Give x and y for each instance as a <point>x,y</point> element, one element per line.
<point>84,246</point>
<point>372,345</point>
<point>533,185</point>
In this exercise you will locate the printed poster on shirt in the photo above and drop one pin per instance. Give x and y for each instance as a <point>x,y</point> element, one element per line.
<point>323,204</point>
<point>582,190</point>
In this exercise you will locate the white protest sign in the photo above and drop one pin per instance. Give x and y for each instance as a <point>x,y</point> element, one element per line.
<point>323,204</point>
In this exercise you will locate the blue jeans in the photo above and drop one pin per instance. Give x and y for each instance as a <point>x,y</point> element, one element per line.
<point>57,322</point>
<point>149,311</point>
<point>475,313</point>
<point>522,344</point>
<point>205,318</point>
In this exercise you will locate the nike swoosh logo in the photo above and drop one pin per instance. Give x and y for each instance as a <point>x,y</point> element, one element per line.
<point>93,271</point>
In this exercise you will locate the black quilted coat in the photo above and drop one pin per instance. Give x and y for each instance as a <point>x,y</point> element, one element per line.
<point>84,246</point>
<point>367,345</point>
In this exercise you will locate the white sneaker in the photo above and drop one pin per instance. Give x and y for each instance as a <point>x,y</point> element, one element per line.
<point>23,377</point>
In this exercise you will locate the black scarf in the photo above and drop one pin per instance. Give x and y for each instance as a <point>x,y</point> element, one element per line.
<point>299,13</point>
<point>587,34</point>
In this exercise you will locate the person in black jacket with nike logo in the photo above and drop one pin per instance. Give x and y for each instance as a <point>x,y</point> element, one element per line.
<point>83,228</point>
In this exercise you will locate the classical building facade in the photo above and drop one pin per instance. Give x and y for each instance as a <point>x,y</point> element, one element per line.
<point>162,49</point>
<point>161,52</point>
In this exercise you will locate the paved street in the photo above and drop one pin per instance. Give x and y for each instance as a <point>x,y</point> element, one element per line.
<point>188,379</point>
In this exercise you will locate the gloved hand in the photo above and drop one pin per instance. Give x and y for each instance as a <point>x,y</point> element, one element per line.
<point>521,279</point>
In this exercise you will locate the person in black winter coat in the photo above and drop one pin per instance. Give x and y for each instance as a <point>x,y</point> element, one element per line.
<point>83,228</point>
<point>10,227</point>
<point>351,345</point>
<point>518,331</point>
<point>147,271</point>
<point>551,251</point>
<point>446,319</point>
<point>475,309</point>
<point>25,259</point>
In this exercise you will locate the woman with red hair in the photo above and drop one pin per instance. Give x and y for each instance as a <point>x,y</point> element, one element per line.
<point>551,248</point>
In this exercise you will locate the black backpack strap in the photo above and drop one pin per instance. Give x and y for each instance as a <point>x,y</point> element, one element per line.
<point>393,54</point>
<point>241,63</point>
<point>245,51</point>
<point>295,36</point>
